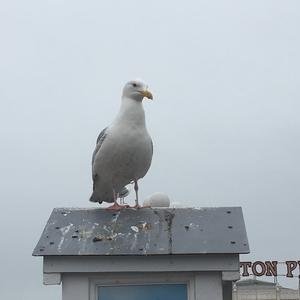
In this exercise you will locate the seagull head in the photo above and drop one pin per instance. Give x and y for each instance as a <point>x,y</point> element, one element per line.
<point>136,90</point>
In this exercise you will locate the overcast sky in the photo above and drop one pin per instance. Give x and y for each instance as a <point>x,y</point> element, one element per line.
<point>224,121</point>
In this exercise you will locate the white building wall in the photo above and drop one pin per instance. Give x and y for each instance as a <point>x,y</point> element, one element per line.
<point>253,293</point>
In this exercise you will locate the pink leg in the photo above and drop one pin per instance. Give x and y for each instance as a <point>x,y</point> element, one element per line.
<point>116,205</point>
<point>136,188</point>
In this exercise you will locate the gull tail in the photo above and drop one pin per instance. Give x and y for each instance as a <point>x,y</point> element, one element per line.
<point>95,198</point>
<point>122,194</point>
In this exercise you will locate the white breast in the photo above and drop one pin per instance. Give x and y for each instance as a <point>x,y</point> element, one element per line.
<point>125,155</point>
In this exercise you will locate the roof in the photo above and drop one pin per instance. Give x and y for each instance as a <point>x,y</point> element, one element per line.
<point>255,284</point>
<point>146,231</point>
<point>252,282</point>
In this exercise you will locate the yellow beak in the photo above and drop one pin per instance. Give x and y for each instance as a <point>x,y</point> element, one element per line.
<point>147,94</point>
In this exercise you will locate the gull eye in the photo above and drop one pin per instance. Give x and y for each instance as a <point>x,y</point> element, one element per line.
<point>134,85</point>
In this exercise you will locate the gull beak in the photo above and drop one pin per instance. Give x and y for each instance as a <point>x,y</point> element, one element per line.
<point>147,94</point>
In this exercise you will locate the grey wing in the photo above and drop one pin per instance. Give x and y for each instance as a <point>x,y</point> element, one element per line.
<point>100,139</point>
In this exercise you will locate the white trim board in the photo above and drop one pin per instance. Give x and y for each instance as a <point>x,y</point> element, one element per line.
<point>174,263</point>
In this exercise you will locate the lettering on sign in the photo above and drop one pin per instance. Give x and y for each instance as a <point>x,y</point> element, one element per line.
<point>270,268</point>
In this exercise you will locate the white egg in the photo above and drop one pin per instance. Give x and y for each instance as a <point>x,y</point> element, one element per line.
<point>146,202</point>
<point>159,200</point>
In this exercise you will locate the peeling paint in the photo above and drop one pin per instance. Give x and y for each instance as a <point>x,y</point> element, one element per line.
<point>134,228</point>
<point>133,245</point>
<point>65,213</point>
<point>115,217</point>
<point>65,230</point>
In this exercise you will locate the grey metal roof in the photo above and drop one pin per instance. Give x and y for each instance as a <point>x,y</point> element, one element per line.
<point>146,231</point>
<point>256,285</point>
<point>254,282</point>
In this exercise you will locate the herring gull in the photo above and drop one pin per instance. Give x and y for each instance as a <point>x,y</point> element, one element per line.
<point>124,150</point>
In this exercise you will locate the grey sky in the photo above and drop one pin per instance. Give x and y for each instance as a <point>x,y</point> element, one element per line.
<point>224,121</point>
